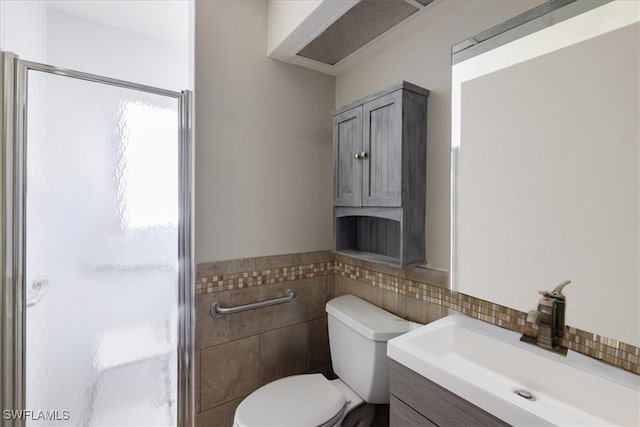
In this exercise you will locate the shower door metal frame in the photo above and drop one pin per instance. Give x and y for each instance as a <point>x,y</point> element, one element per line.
<point>13,111</point>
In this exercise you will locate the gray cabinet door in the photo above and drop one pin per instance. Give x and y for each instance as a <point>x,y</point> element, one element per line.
<point>347,141</point>
<point>382,141</point>
<point>401,415</point>
<point>442,407</point>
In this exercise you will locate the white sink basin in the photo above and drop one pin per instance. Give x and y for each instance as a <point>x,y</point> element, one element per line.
<point>485,364</point>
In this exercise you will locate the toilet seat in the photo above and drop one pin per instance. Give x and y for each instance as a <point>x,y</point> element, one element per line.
<point>299,400</point>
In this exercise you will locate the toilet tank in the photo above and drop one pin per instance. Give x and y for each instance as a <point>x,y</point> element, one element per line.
<point>358,335</point>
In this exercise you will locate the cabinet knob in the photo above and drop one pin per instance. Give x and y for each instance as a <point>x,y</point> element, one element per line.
<point>356,156</point>
<point>363,155</point>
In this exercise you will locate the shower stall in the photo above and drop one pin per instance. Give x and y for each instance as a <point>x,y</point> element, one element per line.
<point>96,308</point>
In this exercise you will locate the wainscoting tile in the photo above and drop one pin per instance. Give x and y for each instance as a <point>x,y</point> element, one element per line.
<point>402,306</point>
<point>274,261</point>
<point>309,303</point>
<point>428,276</point>
<point>283,352</point>
<point>423,312</point>
<point>346,286</point>
<point>426,311</point>
<point>229,371</point>
<point>220,416</point>
<point>389,301</point>
<point>340,258</point>
<point>319,353</point>
<point>331,287</point>
<point>234,405</point>
<point>312,257</point>
<point>385,268</point>
<point>434,311</point>
<point>210,331</point>
<point>372,294</point>
<point>255,294</point>
<point>219,268</point>
<point>412,292</point>
<point>253,322</point>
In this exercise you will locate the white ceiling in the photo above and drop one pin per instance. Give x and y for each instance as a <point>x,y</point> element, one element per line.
<point>166,20</point>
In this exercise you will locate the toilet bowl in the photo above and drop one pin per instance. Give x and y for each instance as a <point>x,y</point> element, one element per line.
<point>358,335</point>
<point>298,400</point>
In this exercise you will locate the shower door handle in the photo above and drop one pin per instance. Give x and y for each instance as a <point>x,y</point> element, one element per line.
<point>36,292</point>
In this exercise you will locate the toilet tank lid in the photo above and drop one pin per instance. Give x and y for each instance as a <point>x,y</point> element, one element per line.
<point>370,321</point>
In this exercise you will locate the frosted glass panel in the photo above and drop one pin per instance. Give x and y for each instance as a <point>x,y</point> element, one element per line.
<point>101,253</point>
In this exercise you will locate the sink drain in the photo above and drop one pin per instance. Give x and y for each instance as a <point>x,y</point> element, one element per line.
<point>525,394</point>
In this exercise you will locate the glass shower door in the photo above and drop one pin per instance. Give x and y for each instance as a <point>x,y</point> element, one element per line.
<point>101,271</point>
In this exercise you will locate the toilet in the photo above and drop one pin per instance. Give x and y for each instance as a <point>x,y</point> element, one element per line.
<point>358,335</point>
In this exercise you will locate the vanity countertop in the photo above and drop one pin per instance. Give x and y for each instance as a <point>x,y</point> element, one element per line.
<point>485,365</point>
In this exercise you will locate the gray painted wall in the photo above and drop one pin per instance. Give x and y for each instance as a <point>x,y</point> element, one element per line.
<point>263,167</point>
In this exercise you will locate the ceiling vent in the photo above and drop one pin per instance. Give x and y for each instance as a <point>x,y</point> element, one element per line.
<point>357,27</point>
<point>337,29</point>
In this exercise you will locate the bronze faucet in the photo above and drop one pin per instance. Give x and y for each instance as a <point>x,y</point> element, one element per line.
<point>550,319</point>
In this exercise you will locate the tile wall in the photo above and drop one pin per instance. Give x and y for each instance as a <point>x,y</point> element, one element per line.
<point>235,354</point>
<point>425,288</point>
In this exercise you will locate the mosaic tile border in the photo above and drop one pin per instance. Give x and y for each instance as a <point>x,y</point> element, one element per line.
<point>246,279</point>
<point>611,351</point>
<point>283,268</point>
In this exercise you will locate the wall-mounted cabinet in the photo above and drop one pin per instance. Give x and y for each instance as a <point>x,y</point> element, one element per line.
<point>380,175</point>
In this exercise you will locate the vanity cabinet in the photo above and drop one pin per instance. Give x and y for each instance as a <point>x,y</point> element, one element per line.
<point>380,175</point>
<point>417,401</point>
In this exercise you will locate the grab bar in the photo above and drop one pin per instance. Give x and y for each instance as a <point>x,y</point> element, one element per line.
<point>218,309</point>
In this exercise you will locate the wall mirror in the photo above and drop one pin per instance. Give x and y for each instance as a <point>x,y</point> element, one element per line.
<point>545,163</point>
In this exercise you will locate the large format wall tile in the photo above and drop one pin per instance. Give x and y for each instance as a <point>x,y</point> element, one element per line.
<point>256,294</point>
<point>218,268</point>
<point>372,294</point>
<point>274,261</point>
<point>283,352</point>
<point>345,285</point>
<point>312,257</point>
<point>426,275</point>
<point>309,303</point>
<point>210,331</point>
<point>228,371</point>
<point>331,287</point>
<point>319,354</point>
<point>220,416</point>
<point>423,312</point>
<point>389,301</point>
<point>254,322</point>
